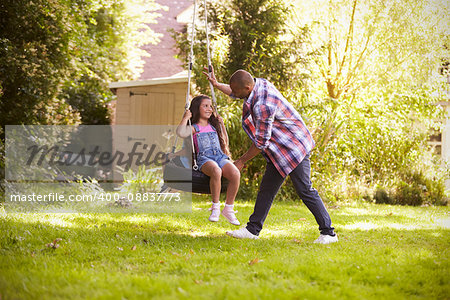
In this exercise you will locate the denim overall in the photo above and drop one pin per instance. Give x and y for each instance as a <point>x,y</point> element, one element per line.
<point>208,148</point>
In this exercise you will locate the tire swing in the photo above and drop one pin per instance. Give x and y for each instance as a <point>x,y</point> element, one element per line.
<point>175,174</point>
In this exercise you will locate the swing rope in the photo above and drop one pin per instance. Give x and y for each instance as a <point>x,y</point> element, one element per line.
<point>210,69</point>
<point>175,175</point>
<point>186,107</point>
<point>191,57</point>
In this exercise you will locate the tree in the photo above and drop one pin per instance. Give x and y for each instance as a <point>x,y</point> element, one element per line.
<point>372,46</point>
<point>56,57</point>
<point>108,48</point>
<point>362,74</point>
<point>34,51</point>
<point>376,82</point>
<point>251,35</point>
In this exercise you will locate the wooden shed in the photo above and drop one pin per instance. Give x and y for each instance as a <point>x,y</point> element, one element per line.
<point>158,101</point>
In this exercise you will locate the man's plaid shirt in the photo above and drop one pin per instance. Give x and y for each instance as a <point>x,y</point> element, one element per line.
<point>275,127</point>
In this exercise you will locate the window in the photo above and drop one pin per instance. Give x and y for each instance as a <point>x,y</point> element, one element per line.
<point>435,142</point>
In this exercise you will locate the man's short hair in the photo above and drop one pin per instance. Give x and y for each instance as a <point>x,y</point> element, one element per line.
<point>242,78</point>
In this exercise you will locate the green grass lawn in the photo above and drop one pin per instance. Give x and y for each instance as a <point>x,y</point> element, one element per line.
<point>384,252</point>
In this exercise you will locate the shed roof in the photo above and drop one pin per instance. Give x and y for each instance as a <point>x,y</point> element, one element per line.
<point>177,78</point>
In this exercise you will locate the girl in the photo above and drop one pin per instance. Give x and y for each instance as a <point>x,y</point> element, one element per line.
<point>210,141</point>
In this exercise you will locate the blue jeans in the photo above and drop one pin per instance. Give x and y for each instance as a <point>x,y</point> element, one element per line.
<point>271,183</point>
<point>215,155</point>
<point>208,148</point>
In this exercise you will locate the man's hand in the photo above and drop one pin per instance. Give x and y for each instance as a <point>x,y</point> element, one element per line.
<point>251,152</point>
<point>224,88</point>
<point>239,164</point>
<point>211,77</point>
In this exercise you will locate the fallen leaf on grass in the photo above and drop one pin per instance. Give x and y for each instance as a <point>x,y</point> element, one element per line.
<point>133,248</point>
<point>198,281</point>
<point>254,261</point>
<point>54,244</point>
<point>161,261</point>
<point>145,241</point>
<point>296,241</point>
<point>192,251</point>
<point>301,219</point>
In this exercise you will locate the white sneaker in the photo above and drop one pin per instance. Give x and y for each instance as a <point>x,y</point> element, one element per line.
<point>215,213</point>
<point>229,214</point>
<point>242,233</point>
<point>326,239</point>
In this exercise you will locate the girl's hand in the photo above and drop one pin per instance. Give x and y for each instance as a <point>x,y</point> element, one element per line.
<point>183,130</point>
<point>220,119</point>
<point>187,115</point>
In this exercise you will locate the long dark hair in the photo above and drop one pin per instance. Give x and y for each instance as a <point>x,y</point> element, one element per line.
<point>213,120</point>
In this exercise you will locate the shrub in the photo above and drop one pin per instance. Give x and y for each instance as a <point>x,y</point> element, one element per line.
<point>141,181</point>
<point>415,189</point>
<point>2,168</point>
<point>382,197</point>
<point>409,194</point>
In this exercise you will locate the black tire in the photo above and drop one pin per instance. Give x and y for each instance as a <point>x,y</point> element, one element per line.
<point>178,178</point>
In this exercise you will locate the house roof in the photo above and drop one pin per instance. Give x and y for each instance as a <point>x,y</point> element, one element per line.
<point>162,62</point>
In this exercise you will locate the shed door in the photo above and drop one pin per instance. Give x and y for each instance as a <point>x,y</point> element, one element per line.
<point>149,109</point>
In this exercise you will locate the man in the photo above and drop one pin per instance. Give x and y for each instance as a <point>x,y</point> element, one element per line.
<point>279,133</point>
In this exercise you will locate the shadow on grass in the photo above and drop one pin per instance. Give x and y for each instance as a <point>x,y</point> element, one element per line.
<point>169,229</point>
<point>170,248</point>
